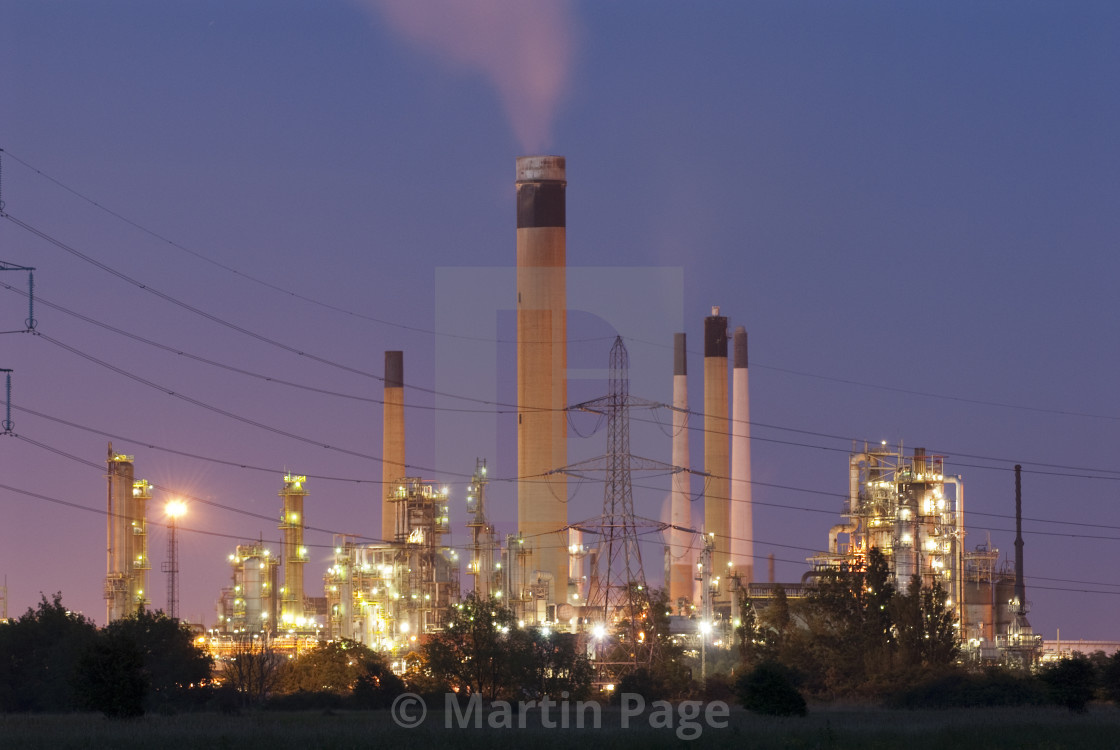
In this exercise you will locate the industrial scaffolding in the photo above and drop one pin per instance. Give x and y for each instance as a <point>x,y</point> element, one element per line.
<point>388,595</point>
<point>487,573</point>
<point>898,504</point>
<point>251,603</point>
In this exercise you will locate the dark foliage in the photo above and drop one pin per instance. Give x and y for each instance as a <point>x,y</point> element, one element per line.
<point>1070,682</point>
<point>111,677</point>
<point>719,687</point>
<point>1110,678</point>
<point>39,654</point>
<point>644,682</point>
<point>960,689</point>
<point>855,634</point>
<point>483,651</point>
<point>175,669</point>
<point>769,689</point>
<point>377,686</point>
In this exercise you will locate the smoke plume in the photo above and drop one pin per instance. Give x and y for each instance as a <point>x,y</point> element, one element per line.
<point>524,48</point>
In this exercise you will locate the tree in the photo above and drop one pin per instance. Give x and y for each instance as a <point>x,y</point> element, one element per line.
<point>473,651</point>
<point>926,636</point>
<point>252,668</point>
<point>764,632</point>
<point>331,667</point>
<point>377,686</point>
<point>174,666</point>
<point>39,656</point>
<point>768,689</point>
<point>1070,682</point>
<point>549,664</point>
<point>111,676</point>
<point>1110,678</point>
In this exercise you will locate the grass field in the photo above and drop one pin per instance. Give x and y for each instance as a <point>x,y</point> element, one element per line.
<point>825,727</point>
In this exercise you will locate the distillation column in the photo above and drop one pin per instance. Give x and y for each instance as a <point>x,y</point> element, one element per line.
<point>542,391</point>
<point>293,552</point>
<point>141,564</point>
<point>118,509</point>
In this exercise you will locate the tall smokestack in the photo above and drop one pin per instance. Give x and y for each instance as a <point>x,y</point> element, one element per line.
<point>542,385</point>
<point>392,440</point>
<point>717,463</point>
<point>742,513</point>
<point>1020,582</point>
<point>680,546</point>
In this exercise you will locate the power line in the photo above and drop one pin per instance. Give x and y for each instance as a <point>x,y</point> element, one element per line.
<point>233,326</point>
<point>895,389</point>
<point>323,360</point>
<point>702,429</point>
<point>238,370</point>
<point>335,308</point>
<point>356,480</point>
<point>256,280</point>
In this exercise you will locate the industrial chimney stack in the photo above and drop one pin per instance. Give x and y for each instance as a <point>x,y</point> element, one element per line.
<point>742,523</point>
<point>717,462</point>
<point>542,386</point>
<point>680,549</point>
<point>392,443</point>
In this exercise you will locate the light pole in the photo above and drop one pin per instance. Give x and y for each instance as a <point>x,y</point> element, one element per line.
<point>705,628</point>
<point>174,510</point>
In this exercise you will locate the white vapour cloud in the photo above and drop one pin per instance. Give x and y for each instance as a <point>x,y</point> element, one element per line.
<point>524,47</point>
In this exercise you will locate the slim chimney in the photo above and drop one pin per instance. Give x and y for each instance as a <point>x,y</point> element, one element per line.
<point>742,518</point>
<point>1020,583</point>
<point>681,556</point>
<point>717,462</point>
<point>392,441</point>
<point>542,386</point>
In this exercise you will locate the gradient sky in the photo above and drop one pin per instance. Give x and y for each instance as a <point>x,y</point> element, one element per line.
<point>911,207</point>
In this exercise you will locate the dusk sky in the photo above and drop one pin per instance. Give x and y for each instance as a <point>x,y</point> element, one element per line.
<point>912,207</point>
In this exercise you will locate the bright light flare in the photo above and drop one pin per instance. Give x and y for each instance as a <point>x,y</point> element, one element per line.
<point>176,508</point>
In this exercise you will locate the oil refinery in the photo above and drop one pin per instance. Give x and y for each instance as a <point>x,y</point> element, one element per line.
<point>390,587</point>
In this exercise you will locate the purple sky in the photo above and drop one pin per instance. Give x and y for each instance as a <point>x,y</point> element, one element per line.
<point>912,209</point>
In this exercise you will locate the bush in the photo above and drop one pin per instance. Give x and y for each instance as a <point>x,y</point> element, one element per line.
<point>718,687</point>
<point>958,689</point>
<point>1110,678</point>
<point>111,678</point>
<point>1070,682</point>
<point>769,689</point>
<point>644,682</point>
<point>377,687</point>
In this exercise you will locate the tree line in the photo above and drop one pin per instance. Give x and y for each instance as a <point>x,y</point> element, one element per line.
<point>855,636</point>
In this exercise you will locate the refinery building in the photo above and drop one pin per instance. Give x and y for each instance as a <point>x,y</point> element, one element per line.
<point>389,590</point>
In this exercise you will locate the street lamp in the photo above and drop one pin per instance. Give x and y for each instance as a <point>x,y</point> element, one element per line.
<point>705,629</point>
<point>174,510</point>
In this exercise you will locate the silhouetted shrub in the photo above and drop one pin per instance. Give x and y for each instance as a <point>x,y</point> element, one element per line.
<point>1110,678</point>
<point>769,689</point>
<point>719,687</point>
<point>959,689</point>
<point>110,677</point>
<point>1070,682</point>
<point>645,683</point>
